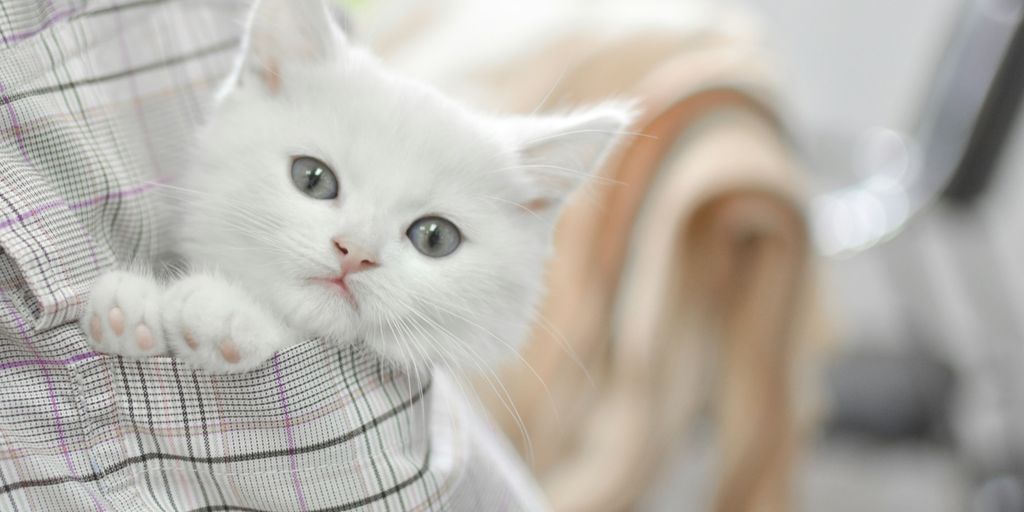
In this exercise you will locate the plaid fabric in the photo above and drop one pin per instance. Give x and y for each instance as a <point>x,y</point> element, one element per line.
<point>96,101</point>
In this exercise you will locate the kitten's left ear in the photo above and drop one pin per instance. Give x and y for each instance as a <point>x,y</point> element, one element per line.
<point>287,31</point>
<point>558,154</point>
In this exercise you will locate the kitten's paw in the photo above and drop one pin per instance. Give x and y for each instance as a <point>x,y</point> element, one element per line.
<point>213,326</point>
<point>123,315</point>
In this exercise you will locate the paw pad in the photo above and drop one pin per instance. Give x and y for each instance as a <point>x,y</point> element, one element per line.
<point>116,319</point>
<point>122,316</point>
<point>191,342</point>
<point>144,338</point>
<point>229,350</point>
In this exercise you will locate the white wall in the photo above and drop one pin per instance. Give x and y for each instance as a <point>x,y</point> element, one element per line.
<point>853,64</point>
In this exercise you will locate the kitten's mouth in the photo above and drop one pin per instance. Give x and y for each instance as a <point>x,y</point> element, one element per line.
<point>339,285</point>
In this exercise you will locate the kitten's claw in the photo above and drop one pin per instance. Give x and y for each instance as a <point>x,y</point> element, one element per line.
<point>123,316</point>
<point>211,325</point>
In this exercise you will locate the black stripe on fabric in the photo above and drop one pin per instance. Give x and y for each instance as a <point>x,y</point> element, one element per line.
<point>346,506</point>
<point>229,44</point>
<point>30,239</point>
<point>156,440</point>
<point>348,436</point>
<point>393,386</point>
<point>138,439</point>
<point>188,432</point>
<point>206,437</point>
<point>10,497</point>
<point>359,415</point>
<point>85,118</point>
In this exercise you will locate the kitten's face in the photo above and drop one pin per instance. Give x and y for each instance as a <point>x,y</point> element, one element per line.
<point>361,205</point>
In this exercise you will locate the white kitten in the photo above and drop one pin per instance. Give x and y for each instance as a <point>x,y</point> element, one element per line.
<point>332,198</point>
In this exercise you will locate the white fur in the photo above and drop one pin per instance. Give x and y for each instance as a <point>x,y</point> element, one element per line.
<point>400,151</point>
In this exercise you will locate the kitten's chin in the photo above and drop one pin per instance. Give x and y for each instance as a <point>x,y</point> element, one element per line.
<point>315,310</point>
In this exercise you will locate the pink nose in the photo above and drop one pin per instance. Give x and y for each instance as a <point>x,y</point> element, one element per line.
<point>353,258</point>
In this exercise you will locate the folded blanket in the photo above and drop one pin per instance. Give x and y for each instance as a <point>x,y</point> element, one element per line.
<point>683,274</point>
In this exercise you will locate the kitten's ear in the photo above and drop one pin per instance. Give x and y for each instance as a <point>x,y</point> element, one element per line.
<point>287,32</point>
<point>558,154</point>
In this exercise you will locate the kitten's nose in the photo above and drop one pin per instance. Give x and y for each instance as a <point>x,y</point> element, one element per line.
<point>353,258</point>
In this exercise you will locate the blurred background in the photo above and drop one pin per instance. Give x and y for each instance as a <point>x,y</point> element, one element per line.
<point>800,286</point>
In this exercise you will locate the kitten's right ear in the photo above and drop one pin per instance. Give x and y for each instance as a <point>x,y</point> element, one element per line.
<point>287,31</point>
<point>559,153</point>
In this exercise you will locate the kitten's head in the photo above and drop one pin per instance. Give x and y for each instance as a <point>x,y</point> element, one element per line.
<point>362,205</point>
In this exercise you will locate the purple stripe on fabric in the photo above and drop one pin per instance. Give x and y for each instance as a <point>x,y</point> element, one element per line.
<point>47,362</point>
<point>13,116</point>
<point>50,20</point>
<point>57,417</point>
<point>117,194</point>
<point>288,433</point>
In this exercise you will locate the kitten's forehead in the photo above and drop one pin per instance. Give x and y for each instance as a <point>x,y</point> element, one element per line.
<point>380,125</point>
<point>399,149</point>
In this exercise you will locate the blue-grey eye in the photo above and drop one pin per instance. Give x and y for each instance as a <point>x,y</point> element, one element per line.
<point>313,178</point>
<point>434,236</point>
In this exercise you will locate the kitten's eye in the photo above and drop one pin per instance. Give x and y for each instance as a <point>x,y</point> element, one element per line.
<point>434,236</point>
<point>314,178</point>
